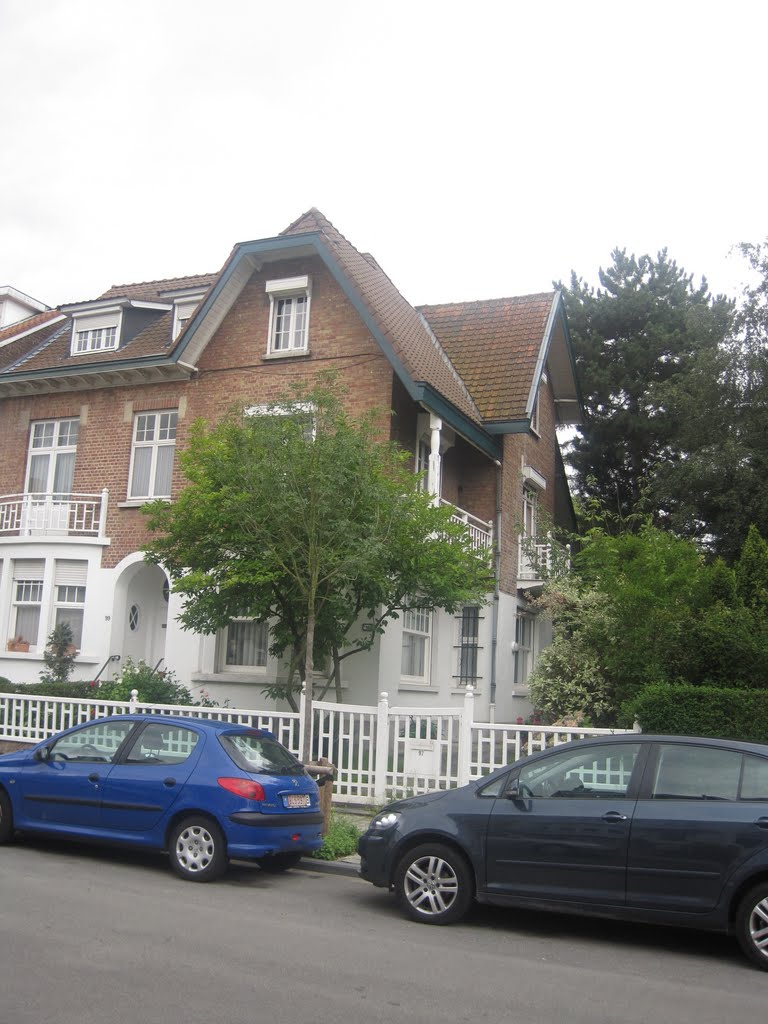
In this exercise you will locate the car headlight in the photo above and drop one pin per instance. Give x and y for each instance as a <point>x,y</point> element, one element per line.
<point>385,820</point>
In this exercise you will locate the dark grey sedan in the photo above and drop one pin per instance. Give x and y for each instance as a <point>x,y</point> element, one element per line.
<point>663,829</point>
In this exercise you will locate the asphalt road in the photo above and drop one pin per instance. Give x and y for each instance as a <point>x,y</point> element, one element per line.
<point>91,936</point>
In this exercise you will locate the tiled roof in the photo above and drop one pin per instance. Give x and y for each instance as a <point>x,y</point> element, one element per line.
<point>494,344</point>
<point>151,291</point>
<point>22,326</point>
<point>479,356</point>
<point>16,351</point>
<point>49,347</point>
<point>413,343</point>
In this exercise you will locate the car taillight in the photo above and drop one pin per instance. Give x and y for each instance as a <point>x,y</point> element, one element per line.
<point>243,787</point>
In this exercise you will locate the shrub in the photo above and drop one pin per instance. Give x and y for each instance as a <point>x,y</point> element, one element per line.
<point>728,713</point>
<point>341,839</point>
<point>153,687</point>
<point>59,655</point>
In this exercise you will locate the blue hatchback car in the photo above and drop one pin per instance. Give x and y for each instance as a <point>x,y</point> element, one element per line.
<point>205,791</point>
<point>664,829</point>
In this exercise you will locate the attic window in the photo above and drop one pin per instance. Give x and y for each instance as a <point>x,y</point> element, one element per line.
<point>100,333</point>
<point>96,339</point>
<point>183,308</point>
<point>288,316</point>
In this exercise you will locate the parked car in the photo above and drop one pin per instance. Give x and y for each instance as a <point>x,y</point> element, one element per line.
<point>662,829</point>
<point>205,791</point>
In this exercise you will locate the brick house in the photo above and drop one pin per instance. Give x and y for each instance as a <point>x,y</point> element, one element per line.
<point>95,396</point>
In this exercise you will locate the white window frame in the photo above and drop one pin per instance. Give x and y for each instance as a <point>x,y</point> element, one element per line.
<point>28,591</point>
<point>183,310</point>
<point>69,593</point>
<point>97,332</point>
<point>60,443</point>
<point>417,627</point>
<point>530,512</point>
<point>525,646</point>
<point>263,646</point>
<point>154,444</point>
<point>296,340</point>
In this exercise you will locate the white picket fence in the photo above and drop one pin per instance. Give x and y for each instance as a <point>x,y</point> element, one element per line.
<point>380,753</point>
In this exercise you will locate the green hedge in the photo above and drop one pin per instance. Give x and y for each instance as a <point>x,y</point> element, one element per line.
<point>732,714</point>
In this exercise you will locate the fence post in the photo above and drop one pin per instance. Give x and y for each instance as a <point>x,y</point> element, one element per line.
<point>382,750</point>
<point>133,701</point>
<point>465,736</point>
<point>302,702</point>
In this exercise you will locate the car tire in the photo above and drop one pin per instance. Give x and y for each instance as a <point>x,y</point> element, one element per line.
<point>197,850</point>
<point>279,862</point>
<point>434,884</point>
<point>6,818</point>
<point>752,925</point>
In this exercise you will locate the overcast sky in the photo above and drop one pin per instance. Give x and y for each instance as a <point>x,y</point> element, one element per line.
<point>477,149</point>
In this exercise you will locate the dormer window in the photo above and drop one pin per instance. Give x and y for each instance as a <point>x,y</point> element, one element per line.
<point>96,339</point>
<point>185,302</point>
<point>96,331</point>
<point>289,300</point>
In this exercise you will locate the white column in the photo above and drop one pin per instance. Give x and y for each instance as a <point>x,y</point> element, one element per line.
<point>433,476</point>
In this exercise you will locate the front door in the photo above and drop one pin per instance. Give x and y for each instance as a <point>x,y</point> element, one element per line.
<point>566,834</point>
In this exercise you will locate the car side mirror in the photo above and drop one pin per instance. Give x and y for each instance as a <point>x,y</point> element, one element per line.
<point>518,790</point>
<point>43,754</point>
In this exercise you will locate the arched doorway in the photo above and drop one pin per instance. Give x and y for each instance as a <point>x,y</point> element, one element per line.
<point>141,613</point>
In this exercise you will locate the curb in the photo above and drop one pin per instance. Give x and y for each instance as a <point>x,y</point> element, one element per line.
<point>349,866</point>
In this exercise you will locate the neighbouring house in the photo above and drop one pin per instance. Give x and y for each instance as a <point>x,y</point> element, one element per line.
<point>16,306</point>
<point>96,396</point>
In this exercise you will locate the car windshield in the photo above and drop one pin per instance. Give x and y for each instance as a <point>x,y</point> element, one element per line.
<point>256,752</point>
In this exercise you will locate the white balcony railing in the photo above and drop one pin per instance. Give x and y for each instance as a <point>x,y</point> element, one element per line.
<point>480,531</point>
<point>538,560</point>
<point>53,514</point>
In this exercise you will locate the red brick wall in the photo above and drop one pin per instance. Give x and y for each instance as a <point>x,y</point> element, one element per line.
<point>539,454</point>
<point>233,371</point>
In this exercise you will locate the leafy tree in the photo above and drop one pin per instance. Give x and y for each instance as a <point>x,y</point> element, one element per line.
<point>304,518</point>
<point>59,655</point>
<point>644,328</point>
<point>752,572</point>
<point>641,608</point>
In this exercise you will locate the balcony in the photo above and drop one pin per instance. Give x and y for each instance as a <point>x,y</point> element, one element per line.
<point>539,560</point>
<point>480,531</point>
<point>53,515</point>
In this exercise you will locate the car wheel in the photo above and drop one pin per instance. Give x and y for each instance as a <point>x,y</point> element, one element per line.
<point>197,850</point>
<point>279,862</point>
<point>434,884</point>
<point>6,818</point>
<point>752,925</point>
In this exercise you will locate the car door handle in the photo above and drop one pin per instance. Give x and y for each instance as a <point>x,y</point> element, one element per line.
<point>762,822</point>
<point>169,782</point>
<point>614,816</point>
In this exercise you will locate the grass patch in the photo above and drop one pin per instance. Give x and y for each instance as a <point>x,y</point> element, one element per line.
<point>341,840</point>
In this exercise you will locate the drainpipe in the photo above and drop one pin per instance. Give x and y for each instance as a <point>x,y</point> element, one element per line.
<point>496,596</point>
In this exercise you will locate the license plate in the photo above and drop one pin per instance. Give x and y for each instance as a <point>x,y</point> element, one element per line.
<point>297,800</point>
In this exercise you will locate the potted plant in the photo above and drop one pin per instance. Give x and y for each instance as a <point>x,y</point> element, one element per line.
<point>18,645</point>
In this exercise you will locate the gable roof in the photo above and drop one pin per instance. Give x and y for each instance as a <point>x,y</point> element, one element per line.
<point>475,364</point>
<point>501,347</point>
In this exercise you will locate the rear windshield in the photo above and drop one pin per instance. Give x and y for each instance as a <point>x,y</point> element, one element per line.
<point>255,752</point>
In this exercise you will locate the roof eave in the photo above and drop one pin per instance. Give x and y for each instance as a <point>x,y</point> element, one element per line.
<point>147,370</point>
